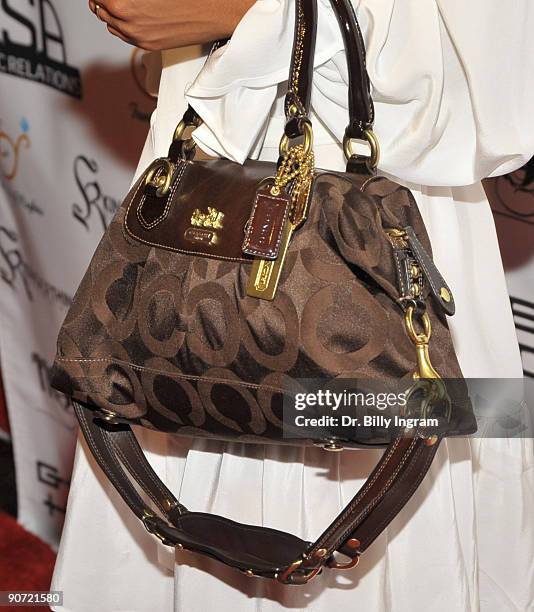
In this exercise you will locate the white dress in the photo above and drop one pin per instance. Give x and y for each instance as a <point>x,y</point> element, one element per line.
<point>454,98</point>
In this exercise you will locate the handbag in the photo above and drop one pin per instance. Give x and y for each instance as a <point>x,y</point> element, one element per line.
<point>217,287</point>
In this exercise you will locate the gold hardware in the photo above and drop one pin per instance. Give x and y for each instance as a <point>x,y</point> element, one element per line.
<point>179,131</point>
<point>161,182</point>
<point>295,170</point>
<point>293,110</point>
<point>109,416</point>
<point>426,377</point>
<point>320,553</point>
<point>153,529</point>
<point>308,141</point>
<point>431,440</point>
<point>249,573</point>
<point>444,295</point>
<point>169,505</point>
<point>373,159</point>
<point>397,237</point>
<point>182,126</point>
<point>285,575</point>
<point>333,564</point>
<point>415,290</point>
<point>420,340</point>
<point>265,273</point>
<point>212,219</point>
<point>333,447</point>
<point>414,271</point>
<point>283,578</point>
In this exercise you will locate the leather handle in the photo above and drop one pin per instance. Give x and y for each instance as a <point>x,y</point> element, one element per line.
<point>298,97</point>
<point>361,109</point>
<point>258,551</point>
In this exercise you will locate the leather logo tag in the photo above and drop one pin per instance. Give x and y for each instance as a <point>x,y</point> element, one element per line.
<point>200,234</point>
<point>266,223</point>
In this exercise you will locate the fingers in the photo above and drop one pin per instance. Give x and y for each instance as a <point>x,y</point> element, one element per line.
<point>113,24</point>
<point>119,34</point>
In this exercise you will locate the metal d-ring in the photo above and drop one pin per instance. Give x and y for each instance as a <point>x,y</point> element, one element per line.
<point>373,159</point>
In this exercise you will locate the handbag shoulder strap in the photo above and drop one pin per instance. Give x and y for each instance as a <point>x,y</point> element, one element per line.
<point>255,550</point>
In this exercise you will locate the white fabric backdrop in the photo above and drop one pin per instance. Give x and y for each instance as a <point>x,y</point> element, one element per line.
<point>72,122</point>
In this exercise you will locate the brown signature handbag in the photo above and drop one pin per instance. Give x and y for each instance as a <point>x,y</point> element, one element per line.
<point>218,286</point>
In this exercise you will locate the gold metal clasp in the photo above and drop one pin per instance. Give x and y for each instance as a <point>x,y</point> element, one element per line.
<point>427,378</point>
<point>159,176</point>
<point>421,341</point>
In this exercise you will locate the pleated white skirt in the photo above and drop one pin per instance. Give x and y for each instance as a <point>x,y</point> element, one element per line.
<point>464,542</point>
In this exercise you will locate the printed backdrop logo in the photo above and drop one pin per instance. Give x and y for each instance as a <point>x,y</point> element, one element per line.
<point>32,45</point>
<point>10,150</point>
<point>515,194</point>
<point>94,199</point>
<point>14,268</point>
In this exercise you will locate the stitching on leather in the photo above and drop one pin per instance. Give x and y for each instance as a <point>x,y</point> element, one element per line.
<point>422,262</point>
<point>168,203</point>
<point>92,444</point>
<point>376,499</point>
<point>176,374</point>
<point>110,448</point>
<point>400,504</point>
<point>148,470</point>
<point>136,474</point>
<point>416,248</point>
<point>249,229</point>
<point>385,460</point>
<point>396,258</point>
<point>170,248</point>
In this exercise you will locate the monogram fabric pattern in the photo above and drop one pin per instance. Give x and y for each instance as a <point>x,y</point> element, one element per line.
<point>171,341</point>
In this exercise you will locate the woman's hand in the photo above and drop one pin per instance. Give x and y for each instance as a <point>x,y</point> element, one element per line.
<point>165,24</point>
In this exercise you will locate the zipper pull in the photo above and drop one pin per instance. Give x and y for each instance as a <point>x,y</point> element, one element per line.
<point>413,265</point>
<point>439,288</point>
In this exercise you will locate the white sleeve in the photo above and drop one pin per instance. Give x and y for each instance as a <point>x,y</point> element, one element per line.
<point>452,84</point>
